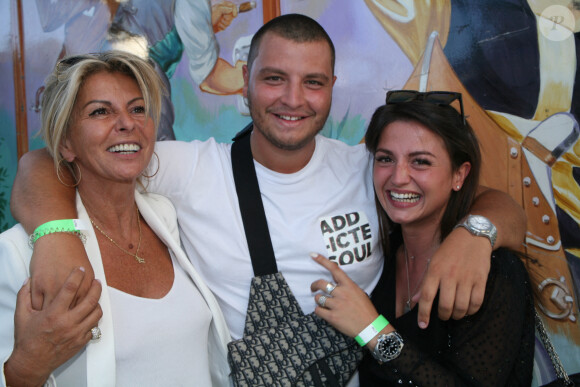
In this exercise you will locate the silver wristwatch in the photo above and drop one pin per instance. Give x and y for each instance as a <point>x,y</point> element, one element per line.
<point>389,347</point>
<point>480,226</point>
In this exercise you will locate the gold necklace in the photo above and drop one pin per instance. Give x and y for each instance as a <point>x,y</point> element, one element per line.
<point>136,255</point>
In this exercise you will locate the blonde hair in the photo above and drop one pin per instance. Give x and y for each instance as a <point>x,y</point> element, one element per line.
<point>69,75</point>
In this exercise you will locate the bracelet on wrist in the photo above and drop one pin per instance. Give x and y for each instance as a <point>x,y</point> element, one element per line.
<point>372,330</point>
<point>70,226</point>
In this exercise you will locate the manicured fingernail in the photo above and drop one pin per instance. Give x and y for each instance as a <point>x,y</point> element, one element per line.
<point>82,269</point>
<point>422,324</point>
<point>26,281</point>
<point>314,255</point>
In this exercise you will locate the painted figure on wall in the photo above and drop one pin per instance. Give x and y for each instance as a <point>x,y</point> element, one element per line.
<point>160,30</point>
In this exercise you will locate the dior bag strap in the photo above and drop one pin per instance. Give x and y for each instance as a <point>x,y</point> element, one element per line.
<point>251,206</point>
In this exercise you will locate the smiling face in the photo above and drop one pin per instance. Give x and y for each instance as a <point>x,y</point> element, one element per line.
<point>111,138</point>
<point>289,91</point>
<point>413,176</point>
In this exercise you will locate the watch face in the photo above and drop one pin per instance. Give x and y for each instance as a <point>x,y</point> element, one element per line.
<point>389,347</point>
<point>480,226</point>
<point>479,222</point>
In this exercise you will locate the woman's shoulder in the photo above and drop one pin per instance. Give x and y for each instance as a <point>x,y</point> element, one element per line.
<point>15,238</point>
<point>16,233</point>
<point>508,277</point>
<point>156,201</point>
<point>154,205</point>
<point>15,256</point>
<point>508,263</point>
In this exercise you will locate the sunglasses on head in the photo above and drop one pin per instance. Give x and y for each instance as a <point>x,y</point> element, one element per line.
<point>434,97</point>
<point>70,61</point>
<point>73,60</point>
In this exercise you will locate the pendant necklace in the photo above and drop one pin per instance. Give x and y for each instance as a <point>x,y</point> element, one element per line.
<point>136,255</point>
<point>407,307</point>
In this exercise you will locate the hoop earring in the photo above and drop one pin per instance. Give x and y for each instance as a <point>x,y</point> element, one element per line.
<point>149,177</point>
<point>71,169</point>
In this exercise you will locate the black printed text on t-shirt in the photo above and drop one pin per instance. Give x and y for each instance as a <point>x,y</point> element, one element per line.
<point>347,237</point>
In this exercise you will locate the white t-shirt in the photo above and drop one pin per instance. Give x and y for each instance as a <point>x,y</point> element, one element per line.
<point>327,207</point>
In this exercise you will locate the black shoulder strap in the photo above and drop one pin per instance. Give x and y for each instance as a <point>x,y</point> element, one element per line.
<point>251,206</point>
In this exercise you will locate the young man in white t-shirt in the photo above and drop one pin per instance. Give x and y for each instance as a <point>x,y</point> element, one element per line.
<point>317,193</point>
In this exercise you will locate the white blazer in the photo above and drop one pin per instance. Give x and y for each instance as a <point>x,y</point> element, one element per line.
<point>94,366</point>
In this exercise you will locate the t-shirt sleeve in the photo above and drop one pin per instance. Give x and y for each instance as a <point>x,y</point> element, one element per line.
<point>172,169</point>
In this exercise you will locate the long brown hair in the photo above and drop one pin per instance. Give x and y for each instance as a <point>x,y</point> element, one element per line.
<point>461,145</point>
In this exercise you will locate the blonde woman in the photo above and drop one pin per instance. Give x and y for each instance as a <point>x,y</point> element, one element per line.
<point>160,324</point>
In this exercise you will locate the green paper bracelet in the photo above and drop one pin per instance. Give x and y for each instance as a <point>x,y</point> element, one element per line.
<point>72,226</point>
<point>372,330</point>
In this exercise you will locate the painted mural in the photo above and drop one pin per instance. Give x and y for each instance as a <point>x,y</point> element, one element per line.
<point>516,62</point>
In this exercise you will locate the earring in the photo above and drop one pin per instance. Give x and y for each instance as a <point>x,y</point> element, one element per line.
<point>458,187</point>
<point>150,176</point>
<point>71,169</point>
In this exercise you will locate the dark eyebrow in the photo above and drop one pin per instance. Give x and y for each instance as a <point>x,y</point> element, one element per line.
<point>108,103</point>
<point>412,154</point>
<point>274,70</point>
<point>96,101</point>
<point>321,76</point>
<point>422,153</point>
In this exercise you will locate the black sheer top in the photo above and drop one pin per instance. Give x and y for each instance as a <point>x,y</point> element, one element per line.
<point>494,347</point>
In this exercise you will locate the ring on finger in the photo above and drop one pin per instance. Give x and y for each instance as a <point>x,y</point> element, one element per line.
<point>330,287</point>
<point>95,333</point>
<point>322,300</point>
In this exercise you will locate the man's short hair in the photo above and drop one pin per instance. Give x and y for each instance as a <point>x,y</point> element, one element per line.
<point>295,27</point>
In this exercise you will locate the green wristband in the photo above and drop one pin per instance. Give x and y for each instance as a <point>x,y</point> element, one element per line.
<point>72,226</point>
<point>372,330</point>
